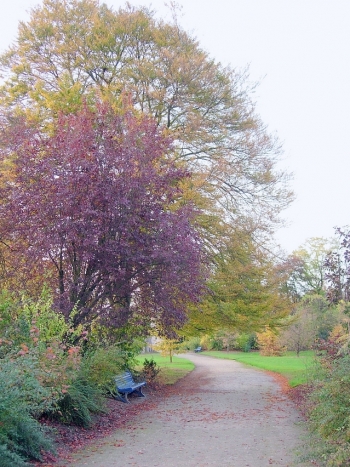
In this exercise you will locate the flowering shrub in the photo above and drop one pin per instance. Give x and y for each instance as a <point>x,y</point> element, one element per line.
<point>37,369</point>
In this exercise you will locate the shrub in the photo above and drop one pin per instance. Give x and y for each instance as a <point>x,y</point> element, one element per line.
<point>269,344</point>
<point>99,367</point>
<point>21,377</point>
<point>9,458</point>
<point>330,411</point>
<point>191,343</point>
<point>245,342</point>
<point>81,399</point>
<point>333,347</point>
<point>21,398</point>
<point>150,370</point>
<point>27,321</point>
<point>216,344</point>
<point>21,436</point>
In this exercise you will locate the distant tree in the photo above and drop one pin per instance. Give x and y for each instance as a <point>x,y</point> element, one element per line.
<point>168,347</point>
<point>337,265</point>
<point>94,206</point>
<point>244,291</point>
<point>313,253</point>
<point>312,319</point>
<point>304,269</point>
<point>290,271</point>
<point>301,334</point>
<point>269,343</point>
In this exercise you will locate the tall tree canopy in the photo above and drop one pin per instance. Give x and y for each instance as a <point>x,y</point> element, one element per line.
<point>69,49</point>
<point>94,204</point>
<point>73,53</point>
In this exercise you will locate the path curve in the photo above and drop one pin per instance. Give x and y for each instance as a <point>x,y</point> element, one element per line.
<point>222,414</point>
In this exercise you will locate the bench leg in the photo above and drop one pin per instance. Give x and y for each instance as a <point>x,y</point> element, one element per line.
<point>139,392</point>
<point>122,398</point>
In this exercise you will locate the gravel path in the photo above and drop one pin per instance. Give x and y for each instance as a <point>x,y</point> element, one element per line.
<point>222,414</point>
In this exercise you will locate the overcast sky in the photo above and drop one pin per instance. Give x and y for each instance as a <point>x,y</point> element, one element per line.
<point>298,50</point>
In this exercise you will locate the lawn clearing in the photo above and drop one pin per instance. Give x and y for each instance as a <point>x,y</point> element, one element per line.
<point>170,372</point>
<point>290,366</point>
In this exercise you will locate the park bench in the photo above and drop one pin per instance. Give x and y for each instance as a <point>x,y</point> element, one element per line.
<point>126,385</point>
<point>198,349</point>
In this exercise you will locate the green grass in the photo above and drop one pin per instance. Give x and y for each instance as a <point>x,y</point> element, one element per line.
<point>170,372</point>
<point>290,366</point>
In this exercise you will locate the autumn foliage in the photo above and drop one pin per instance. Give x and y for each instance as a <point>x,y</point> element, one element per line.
<point>269,343</point>
<point>135,181</point>
<point>93,206</point>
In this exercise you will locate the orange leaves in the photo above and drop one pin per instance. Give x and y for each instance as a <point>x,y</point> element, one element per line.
<point>24,351</point>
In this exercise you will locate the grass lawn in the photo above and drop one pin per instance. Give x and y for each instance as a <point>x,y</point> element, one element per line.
<point>292,367</point>
<point>170,372</point>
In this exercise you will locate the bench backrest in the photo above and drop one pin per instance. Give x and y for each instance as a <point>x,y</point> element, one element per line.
<point>124,380</point>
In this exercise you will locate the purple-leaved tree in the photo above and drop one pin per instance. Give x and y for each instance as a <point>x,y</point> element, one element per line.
<point>97,203</point>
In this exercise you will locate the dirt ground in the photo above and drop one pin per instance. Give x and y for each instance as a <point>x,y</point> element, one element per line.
<point>222,414</point>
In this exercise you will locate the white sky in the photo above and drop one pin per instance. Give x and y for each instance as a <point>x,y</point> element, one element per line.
<point>299,50</point>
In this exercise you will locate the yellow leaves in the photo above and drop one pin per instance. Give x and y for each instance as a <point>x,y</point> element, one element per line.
<point>244,291</point>
<point>167,347</point>
<point>68,97</point>
<point>338,333</point>
<point>269,343</point>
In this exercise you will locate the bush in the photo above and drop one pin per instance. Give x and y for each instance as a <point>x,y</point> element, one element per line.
<point>191,343</point>
<point>21,436</point>
<point>25,321</point>
<point>21,398</point>
<point>9,458</point>
<point>269,343</point>
<point>36,371</point>
<point>42,373</point>
<point>150,370</point>
<point>330,411</point>
<point>245,342</point>
<point>81,399</point>
<point>100,366</point>
<point>216,344</point>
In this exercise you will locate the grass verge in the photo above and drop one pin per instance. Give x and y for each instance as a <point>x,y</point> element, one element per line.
<point>294,368</point>
<point>170,372</point>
